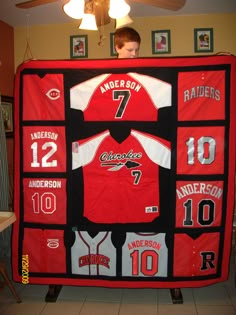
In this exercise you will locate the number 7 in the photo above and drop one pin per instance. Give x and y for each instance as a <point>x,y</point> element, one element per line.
<point>124,95</point>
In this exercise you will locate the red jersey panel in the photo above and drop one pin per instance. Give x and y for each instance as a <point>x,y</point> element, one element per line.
<point>200,255</point>
<point>45,249</point>
<point>45,200</point>
<point>201,95</point>
<point>117,97</point>
<point>121,180</point>
<point>200,150</point>
<point>43,97</point>
<point>44,149</point>
<point>199,203</point>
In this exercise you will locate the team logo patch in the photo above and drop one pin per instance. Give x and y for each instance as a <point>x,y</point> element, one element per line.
<point>53,243</point>
<point>53,94</point>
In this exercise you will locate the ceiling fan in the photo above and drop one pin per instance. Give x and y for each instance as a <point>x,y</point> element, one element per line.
<point>101,6</point>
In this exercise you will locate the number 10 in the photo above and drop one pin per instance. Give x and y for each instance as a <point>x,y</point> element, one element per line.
<point>206,147</point>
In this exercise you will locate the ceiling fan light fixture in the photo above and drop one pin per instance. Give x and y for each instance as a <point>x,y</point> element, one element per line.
<point>118,9</point>
<point>74,8</point>
<point>88,22</point>
<point>126,20</point>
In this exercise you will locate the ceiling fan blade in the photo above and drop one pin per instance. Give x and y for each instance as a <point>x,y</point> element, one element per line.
<point>172,5</point>
<point>33,3</point>
<point>101,14</point>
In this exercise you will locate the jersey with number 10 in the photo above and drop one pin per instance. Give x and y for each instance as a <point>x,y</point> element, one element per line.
<point>144,255</point>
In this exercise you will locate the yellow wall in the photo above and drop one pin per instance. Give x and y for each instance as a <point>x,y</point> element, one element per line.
<point>53,41</point>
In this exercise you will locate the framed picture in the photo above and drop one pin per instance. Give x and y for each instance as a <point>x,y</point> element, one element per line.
<point>203,40</point>
<point>112,45</point>
<point>161,42</point>
<point>79,46</point>
<point>7,114</point>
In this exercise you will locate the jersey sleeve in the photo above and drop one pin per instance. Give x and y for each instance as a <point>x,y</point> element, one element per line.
<point>83,154</point>
<point>158,90</point>
<point>157,151</point>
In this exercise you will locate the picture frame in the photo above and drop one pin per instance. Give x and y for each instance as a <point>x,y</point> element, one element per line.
<point>161,42</point>
<point>112,45</point>
<point>6,103</point>
<point>203,40</point>
<point>78,46</point>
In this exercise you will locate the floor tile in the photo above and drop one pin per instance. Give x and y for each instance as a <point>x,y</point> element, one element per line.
<point>25,308</point>
<point>96,308</point>
<point>211,295</point>
<point>216,310</point>
<point>104,295</point>
<point>164,296</point>
<point>139,296</point>
<point>34,292</point>
<point>177,309</point>
<point>138,309</point>
<point>62,308</point>
<point>188,297</point>
<point>231,290</point>
<point>72,293</point>
<point>6,296</point>
<point>217,299</point>
<point>230,282</point>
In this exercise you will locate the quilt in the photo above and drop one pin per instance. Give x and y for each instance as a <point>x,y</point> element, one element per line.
<point>124,171</point>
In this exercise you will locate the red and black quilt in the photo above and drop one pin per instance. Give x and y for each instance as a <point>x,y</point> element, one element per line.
<point>124,171</point>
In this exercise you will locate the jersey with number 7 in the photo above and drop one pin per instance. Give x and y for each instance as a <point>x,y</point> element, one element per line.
<point>121,180</point>
<point>117,97</point>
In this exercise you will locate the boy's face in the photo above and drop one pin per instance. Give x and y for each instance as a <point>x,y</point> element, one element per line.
<point>129,50</point>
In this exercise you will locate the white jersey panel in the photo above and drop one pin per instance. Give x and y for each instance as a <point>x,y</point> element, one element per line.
<point>93,255</point>
<point>159,91</point>
<point>156,151</point>
<point>144,255</point>
<point>81,94</point>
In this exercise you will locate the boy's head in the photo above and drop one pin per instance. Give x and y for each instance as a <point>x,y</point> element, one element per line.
<point>127,42</point>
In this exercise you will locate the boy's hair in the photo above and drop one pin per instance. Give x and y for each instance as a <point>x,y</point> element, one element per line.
<point>124,35</point>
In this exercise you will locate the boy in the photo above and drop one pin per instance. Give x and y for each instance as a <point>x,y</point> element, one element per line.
<point>127,42</point>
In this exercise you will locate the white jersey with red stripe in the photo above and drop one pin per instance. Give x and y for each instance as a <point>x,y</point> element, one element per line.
<point>93,255</point>
<point>144,255</point>
<point>121,180</point>
<point>119,97</point>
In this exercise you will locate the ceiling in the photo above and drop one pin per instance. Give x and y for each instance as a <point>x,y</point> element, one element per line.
<point>53,14</point>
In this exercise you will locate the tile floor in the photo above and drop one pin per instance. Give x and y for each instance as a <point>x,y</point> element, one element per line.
<point>218,299</point>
